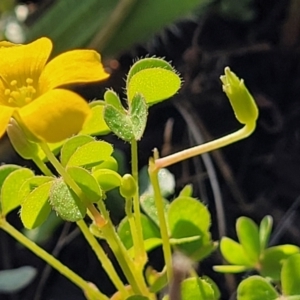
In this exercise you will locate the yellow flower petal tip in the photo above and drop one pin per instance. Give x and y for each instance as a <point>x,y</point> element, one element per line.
<point>28,82</point>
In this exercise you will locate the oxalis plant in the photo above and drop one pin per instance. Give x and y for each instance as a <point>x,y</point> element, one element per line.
<point>51,125</point>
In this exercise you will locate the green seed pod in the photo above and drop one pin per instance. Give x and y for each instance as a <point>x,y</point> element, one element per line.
<point>128,186</point>
<point>241,100</point>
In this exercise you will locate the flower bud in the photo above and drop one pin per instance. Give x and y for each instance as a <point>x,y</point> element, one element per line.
<point>241,100</point>
<point>19,141</point>
<point>128,186</point>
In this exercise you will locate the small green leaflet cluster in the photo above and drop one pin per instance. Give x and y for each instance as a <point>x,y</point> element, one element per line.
<point>149,81</point>
<point>276,264</point>
<point>87,161</point>
<point>188,222</point>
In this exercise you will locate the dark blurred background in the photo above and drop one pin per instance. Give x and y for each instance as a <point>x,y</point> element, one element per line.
<point>259,40</point>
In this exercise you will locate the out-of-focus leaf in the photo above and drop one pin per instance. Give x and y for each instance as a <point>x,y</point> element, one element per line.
<point>13,280</point>
<point>112,25</point>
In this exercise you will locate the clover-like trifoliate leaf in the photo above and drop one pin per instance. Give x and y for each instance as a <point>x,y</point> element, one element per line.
<point>65,202</point>
<point>10,198</point>
<point>119,123</point>
<point>130,124</point>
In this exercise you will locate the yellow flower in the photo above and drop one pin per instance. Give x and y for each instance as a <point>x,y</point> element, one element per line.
<point>31,88</point>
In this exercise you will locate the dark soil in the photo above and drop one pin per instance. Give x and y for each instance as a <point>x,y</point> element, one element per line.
<point>256,177</point>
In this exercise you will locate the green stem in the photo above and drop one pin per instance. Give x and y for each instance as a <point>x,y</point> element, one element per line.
<point>153,174</point>
<point>53,262</point>
<point>104,260</point>
<point>42,166</point>
<point>134,276</point>
<point>141,255</point>
<point>132,224</point>
<point>103,221</point>
<point>200,149</point>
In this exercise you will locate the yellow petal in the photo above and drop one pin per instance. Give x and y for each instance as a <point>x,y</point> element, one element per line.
<point>77,66</point>
<point>5,114</point>
<point>55,116</point>
<point>20,62</point>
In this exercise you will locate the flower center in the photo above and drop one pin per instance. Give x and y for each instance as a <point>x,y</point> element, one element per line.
<point>20,94</point>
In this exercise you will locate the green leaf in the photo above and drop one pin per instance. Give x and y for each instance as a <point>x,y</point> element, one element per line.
<point>290,275</point>
<point>127,125</point>
<point>71,145</point>
<point>166,182</point>
<point>248,235</point>
<point>265,229</point>
<point>147,202</point>
<point>135,24</point>
<point>111,163</point>
<point>150,230</point>
<point>196,288</point>
<point>86,182</point>
<point>90,154</point>
<point>32,183</point>
<point>155,85</point>
<point>230,268</point>
<point>107,179</point>
<point>214,286</point>
<point>148,63</point>
<point>234,253</point>
<point>5,170</point>
<point>273,258</point>
<point>13,280</point>
<point>119,123</point>
<point>156,280</point>
<point>42,234</point>
<point>35,207</point>
<point>138,115</point>
<point>111,98</point>
<point>188,217</point>
<point>256,288</point>
<point>187,191</point>
<point>10,198</point>
<point>138,298</point>
<point>65,202</point>
<point>96,124</point>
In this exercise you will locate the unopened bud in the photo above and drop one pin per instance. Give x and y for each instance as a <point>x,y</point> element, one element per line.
<point>241,100</point>
<point>128,186</point>
<point>19,141</point>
